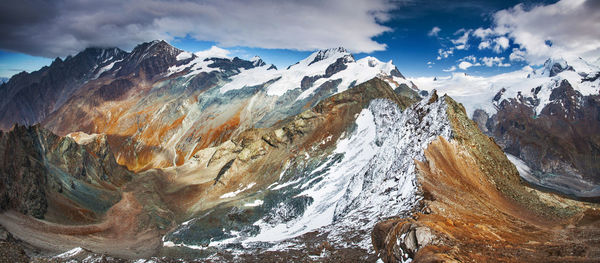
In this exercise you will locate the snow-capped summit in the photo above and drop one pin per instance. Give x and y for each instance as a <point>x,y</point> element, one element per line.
<point>476,92</point>
<point>324,57</point>
<point>257,61</point>
<point>585,68</point>
<point>335,65</point>
<point>553,66</point>
<point>325,54</point>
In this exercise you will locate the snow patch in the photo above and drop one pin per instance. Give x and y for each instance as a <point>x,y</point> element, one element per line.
<point>106,68</point>
<point>71,253</point>
<point>375,178</point>
<point>255,203</point>
<point>232,194</point>
<point>83,138</point>
<point>183,55</point>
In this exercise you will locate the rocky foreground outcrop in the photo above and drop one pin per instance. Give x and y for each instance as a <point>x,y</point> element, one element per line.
<point>477,209</point>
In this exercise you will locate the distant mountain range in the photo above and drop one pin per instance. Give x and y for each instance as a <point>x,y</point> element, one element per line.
<point>163,154</point>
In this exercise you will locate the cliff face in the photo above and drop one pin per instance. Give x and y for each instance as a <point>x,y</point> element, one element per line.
<point>53,177</point>
<point>476,208</point>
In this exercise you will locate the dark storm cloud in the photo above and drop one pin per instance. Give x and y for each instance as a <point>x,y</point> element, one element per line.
<point>58,28</point>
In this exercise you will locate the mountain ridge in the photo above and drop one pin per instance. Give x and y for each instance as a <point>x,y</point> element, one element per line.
<point>167,153</point>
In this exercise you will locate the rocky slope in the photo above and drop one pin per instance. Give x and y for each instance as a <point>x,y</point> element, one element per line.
<point>238,192</point>
<point>47,176</point>
<point>476,209</point>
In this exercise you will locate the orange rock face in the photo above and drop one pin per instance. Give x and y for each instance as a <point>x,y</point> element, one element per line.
<point>476,209</point>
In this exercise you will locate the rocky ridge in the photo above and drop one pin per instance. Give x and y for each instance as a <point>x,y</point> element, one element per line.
<point>486,221</point>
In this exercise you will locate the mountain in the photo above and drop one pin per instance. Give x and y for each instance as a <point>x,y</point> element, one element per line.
<point>27,98</point>
<point>169,155</point>
<point>476,207</point>
<point>204,100</point>
<point>545,119</point>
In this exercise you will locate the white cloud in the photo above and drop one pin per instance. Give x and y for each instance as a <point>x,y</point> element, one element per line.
<point>67,26</point>
<point>484,45</point>
<point>434,31</point>
<point>483,33</point>
<point>494,61</point>
<point>453,68</point>
<point>572,26</point>
<point>465,65</point>
<point>471,58</point>
<point>500,44</point>
<point>213,52</point>
<point>461,42</point>
<point>517,55</point>
<point>430,63</point>
<point>445,53</point>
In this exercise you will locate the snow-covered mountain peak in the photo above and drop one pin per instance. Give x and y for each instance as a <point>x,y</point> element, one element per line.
<point>155,48</point>
<point>372,62</point>
<point>325,56</point>
<point>553,66</point>
<point>322,67</point>
<point>585,68</point>
<point>327,53</point>
<point>257,61</point>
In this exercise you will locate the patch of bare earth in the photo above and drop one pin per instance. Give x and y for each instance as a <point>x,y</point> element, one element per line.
<point>117,234</point>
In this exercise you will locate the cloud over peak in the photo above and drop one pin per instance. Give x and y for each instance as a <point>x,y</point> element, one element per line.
<point>568,28</point>
<point>64,27</point>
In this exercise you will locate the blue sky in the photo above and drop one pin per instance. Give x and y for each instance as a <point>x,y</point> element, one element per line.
<point>405,29</point>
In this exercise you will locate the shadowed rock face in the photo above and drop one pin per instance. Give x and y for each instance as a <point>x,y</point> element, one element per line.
<point>29,97</point>
<point>148,60</point>
<point>561,144</point>
<point>47,176</point>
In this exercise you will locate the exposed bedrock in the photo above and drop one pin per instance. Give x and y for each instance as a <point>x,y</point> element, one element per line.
<point>477,209</point>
